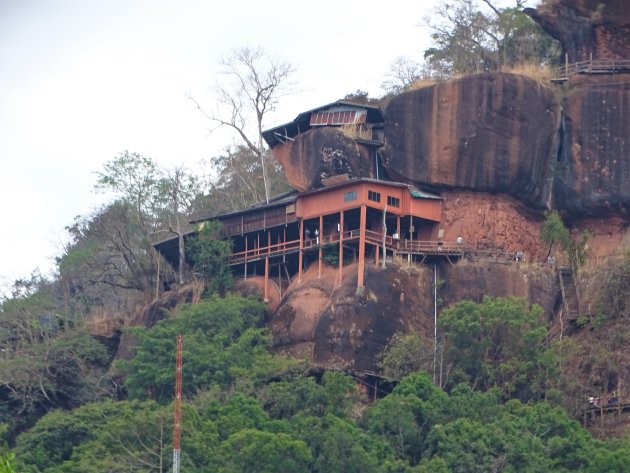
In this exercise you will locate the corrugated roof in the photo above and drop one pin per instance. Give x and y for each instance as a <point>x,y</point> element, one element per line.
<point>302,123</point>
<point>281,199</point>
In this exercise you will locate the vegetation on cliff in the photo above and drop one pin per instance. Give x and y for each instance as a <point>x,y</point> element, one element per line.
<point>492,393</point>
<point>250,410</point>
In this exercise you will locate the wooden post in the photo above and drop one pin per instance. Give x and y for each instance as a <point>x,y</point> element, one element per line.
<point>340,247</point>
<point>362,246</point>
<point>397,240</point>
<point>266,295</point>
<point>246,257</point>
<point>321,254</point>
<point>157,279</point>
<point>377,254</point>
<point>300,257</point>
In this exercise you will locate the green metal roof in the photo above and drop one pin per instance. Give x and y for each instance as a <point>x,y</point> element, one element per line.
<point>418,194</point>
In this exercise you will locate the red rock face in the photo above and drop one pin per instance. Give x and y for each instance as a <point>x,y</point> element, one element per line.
<point>487,132</point>
<point>585,27</point>
<point>593,169</point>
<point>319,154</point>
<point>339,328</point>
<point>495,222</point>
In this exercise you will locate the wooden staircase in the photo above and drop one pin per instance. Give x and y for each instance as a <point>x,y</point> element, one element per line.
<point>569,293</point>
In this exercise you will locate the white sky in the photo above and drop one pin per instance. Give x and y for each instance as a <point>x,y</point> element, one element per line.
<point>83,80</point>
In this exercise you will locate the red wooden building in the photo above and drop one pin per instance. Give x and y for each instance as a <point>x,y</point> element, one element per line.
<point>359,219</point>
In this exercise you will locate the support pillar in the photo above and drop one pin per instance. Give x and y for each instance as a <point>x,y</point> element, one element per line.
<point>362,246</point>
<point>301,257</point>
<point>266,295</point>
<point>340,247</point>
<point>321,253</point>
<point>245,275</point>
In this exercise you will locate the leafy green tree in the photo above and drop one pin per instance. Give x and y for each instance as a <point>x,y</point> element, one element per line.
<point>255,451</point>
<point>287,398</point>
<point>553,231</point>
<point>498,342</point>
<point>7,463</point>
<point>404,417</point>
<point>222,345</point>
<point>134,179</point>
<point>210,253</point>
<point>467,446</point>
<point>339,446</point>
<point>55,436</point>
<point>406,353</point>
<point>61,371</point>
<point>240,412</point>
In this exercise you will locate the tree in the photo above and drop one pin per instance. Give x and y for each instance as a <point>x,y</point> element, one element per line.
<point>7,463</point>
<point>134,179</point>
<point>238,183</point>
<point>406,353</point>
<point>478,36</point>
<point>161,200</point>
<point>254,83</point>
<point>224,347</point>
<point>210,254</point>
<point>110,248</point>
<point>554,231</point>
<point>179,189</point>
<point>498,342</point>
<point>252,450</point>
<point>403,73</point>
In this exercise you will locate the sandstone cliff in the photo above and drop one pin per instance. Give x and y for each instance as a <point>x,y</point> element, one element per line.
<point>339,328</point>
<point>586,27</point>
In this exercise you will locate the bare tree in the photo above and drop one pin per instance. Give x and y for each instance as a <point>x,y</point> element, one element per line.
<point>254,81</point>
<point>403,73</point>
<point>179,189</point>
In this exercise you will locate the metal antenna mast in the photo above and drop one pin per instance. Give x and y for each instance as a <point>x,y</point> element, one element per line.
<point>179,358</point>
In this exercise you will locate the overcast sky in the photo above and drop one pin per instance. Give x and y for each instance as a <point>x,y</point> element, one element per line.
<point>83,80</point>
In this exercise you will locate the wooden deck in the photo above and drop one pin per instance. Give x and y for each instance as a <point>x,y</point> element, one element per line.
<point>612,66</point>
<point>619,406</point>
<point>400,247</point>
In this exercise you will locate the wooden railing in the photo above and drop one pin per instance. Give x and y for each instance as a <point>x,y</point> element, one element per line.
<point>270,250</point>
<point>592,66</point>
<point>421,247</point>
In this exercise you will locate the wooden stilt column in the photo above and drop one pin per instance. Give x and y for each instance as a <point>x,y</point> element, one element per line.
<point>266,295</point>
<point>377,254</point>
<point>300,257</point>
<point>246,256</point>
<point>396,241</point>
<point>340,247</point>
<point>362,246</point>
<point>321,254</point>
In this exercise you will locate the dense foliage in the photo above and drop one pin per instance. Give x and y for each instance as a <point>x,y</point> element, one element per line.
<point>248,410</point>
